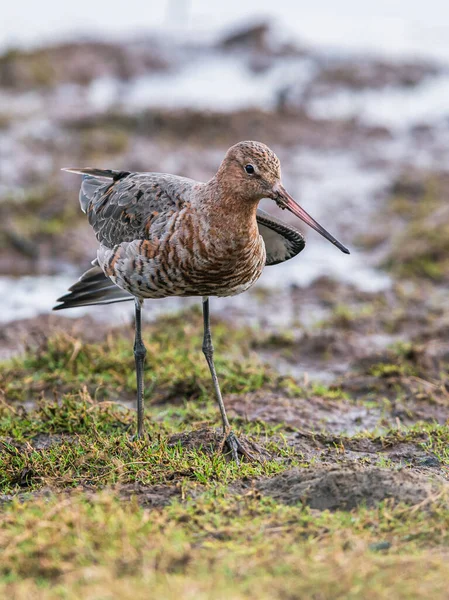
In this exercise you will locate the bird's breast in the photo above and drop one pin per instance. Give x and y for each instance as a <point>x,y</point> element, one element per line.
<point>231,269</point>
<point>215,260</point>
<point>189,259</point>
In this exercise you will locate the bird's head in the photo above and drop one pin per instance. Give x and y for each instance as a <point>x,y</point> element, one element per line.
<point>251,171</point>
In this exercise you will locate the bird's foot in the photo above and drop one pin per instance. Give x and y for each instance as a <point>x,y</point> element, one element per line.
<point>136,437</point>
<point>236,447</point>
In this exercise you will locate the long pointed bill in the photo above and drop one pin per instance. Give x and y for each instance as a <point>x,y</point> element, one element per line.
<point>284,200</point>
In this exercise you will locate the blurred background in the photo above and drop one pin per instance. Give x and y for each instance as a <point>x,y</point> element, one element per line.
<point>353,97</point>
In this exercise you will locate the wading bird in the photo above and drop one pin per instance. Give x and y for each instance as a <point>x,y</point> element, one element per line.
<point>162,235</point>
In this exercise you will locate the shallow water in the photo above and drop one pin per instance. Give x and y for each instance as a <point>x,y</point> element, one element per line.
<point>190,86</point>
<point>395,108</point>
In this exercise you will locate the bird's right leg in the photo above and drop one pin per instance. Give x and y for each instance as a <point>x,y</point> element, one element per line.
<point>231,440</point>
<point>139,356</point>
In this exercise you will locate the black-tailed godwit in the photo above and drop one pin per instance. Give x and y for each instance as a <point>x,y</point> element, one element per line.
<point>162,235</point>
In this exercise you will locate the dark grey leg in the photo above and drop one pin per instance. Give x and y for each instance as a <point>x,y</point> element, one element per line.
<point>139,355</point>
<point>231,441</point>
<point>208,350</point>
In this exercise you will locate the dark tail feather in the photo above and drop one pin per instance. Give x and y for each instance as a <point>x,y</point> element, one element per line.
<point>92,288</point>
<point>91,172</point>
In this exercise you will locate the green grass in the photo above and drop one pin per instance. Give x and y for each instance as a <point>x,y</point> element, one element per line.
<point>175,365</point>
<point>409,365</point>
<point>97,448</point>
<point>73,387</point>
<point>100,461</point>
<point>220,546</point>
<point>348,317</point>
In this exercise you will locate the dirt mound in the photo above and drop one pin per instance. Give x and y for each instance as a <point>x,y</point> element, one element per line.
<point>18,336</point>
<point>211,442</point>
<point>345,489</point>
<point>150,496</point>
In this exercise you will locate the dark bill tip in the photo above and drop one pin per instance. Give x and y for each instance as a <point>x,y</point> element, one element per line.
<point>286,201</point>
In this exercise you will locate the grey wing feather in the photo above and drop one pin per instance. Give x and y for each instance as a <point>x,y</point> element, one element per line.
<point>91,182</point>
<point>89,186</point>
<point>121,206</point>
<point>282,241</point>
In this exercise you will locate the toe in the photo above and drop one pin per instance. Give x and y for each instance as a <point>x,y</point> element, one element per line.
<point>236,448</point>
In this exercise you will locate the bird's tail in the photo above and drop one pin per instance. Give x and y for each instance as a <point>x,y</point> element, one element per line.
<point>93,287</point>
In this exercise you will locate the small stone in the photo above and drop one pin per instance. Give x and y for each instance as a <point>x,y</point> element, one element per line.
<point>430,461</point>
<point>380,546</point>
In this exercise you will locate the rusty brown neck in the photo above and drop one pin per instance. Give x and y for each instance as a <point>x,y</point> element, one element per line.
<point>228,208</point>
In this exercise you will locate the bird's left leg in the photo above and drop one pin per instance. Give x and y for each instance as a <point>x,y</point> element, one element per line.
<point>139,356</point>
<point>231,440</point>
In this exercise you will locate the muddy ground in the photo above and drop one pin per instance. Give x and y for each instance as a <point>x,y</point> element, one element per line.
<point>381,410</point>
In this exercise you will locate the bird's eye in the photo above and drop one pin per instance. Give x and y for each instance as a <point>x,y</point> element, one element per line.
<point>249,169</point>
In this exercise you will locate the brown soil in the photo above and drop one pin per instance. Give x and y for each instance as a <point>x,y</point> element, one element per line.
<point>332,450</point>
<point>152,496</point>
<point>336,478</point>
<point>309,412</point>
<point>148,496</point>
<point>211,442</point>
<point>345,489</point>
<point>223,128</point>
